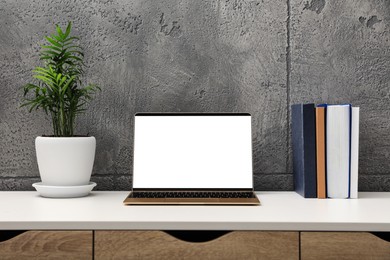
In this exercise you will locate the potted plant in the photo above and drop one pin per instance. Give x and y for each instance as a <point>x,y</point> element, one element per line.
<point>65,160</point>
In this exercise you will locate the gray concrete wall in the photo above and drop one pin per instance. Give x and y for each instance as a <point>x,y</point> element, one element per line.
<point>253,56</point>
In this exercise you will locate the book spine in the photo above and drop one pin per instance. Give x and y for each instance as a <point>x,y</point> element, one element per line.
<point>338,150</point>
<point>350,144</point>
<point>297,147</point>
<point>303,140</point>
<point>320,152</point>
<point>354,153</point>
<point>309,150</point>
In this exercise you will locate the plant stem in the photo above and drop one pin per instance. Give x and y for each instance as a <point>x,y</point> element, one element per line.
<point>62,115</point>
<point>54,122</point>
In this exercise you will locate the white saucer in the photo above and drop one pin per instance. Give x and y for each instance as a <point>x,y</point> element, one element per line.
<point>49,191</point>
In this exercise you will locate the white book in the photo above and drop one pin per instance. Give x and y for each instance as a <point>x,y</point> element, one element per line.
<point>338,119</point>
<point>354,153</point>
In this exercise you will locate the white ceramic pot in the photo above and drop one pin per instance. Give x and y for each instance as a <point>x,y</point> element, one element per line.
<point>65,161</point>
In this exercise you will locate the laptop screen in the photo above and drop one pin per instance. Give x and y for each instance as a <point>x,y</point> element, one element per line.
<point>181,151</point>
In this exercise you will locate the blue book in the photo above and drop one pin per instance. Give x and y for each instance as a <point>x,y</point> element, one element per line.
<point>304,149</point>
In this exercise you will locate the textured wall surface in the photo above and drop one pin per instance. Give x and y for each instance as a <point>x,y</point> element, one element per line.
<point>217,56</point>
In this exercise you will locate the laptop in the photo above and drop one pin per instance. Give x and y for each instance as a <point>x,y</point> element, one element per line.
<point>192,158</point>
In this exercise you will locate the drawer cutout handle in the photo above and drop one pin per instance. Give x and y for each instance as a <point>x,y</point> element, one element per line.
<point>196,236</point>
<point>9,234</point>
<point>382,235</point>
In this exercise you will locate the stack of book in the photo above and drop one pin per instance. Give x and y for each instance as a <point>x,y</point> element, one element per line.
<point>325,142</point>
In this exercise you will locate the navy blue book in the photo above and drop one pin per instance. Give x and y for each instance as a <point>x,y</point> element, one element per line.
<point>304,149</point>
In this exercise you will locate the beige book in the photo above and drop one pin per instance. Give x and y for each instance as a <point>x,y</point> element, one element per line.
<point>320,147</point>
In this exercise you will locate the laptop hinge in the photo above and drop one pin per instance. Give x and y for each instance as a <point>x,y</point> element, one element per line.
<point>189,189</point>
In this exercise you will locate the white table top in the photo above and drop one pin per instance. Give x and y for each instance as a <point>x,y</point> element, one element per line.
<point>279,211</point>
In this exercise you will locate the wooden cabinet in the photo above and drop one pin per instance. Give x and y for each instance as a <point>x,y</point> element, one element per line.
<point>48,245</point>
<point>181,245</point>
<point>343,245</point>
<point>160,245</point>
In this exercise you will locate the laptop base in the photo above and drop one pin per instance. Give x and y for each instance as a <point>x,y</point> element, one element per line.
<point>191,201</point>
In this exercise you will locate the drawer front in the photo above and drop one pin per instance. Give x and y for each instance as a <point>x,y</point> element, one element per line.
<point>343,245</point>
<point>48,245</point>
<point>160,245</point>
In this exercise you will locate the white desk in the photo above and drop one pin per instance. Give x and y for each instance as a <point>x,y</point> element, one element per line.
<point>279,211</point>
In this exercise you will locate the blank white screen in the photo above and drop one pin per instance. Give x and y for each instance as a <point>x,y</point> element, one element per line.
<point>181,151</point>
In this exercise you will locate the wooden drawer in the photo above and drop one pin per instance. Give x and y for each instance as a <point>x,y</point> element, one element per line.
<point>160,245</point>
<point>48,245</point>
<point>343,245</point>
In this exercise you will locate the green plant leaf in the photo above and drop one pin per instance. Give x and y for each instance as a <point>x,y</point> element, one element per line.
<point>75,58</point>
<point>62,80</point>
<point>44,72</point>
<point>68,29</point>
<point>59,31</point>
<point>45,57</point>
<point>57,38</point>
<point>68,83</point>
<point>71,39</point>
<point>54,53</point>
<point>58,79</point>
<point>52,47</point>
<point>29,87</point>
<point>54,42</point>
<point>44,79</point>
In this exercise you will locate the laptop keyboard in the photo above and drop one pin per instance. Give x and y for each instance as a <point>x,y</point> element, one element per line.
<point>192,194</point>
